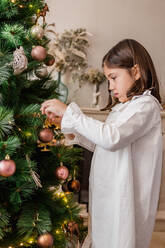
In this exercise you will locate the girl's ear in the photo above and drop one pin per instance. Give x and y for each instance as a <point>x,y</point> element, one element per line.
<point>136,72</point>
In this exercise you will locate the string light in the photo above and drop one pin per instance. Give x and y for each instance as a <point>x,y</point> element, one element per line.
<point>30,6</point>
<point>31,240</point>
<point>13,1</point>
<point>21,6</point>
<point>59,194</point>
<point>21,244</point>
<point>65,199</point>
<point>58,231</point>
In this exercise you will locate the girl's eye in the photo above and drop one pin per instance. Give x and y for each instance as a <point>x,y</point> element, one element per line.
<point>113,78</point>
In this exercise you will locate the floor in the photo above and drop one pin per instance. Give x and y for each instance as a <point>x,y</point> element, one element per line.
<point>158,236</point>
<point>158,240</point>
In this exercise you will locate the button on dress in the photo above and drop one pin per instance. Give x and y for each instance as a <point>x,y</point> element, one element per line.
<point>125,173</point>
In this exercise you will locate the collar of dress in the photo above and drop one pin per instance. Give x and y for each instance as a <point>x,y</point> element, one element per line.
<point>121,106</point>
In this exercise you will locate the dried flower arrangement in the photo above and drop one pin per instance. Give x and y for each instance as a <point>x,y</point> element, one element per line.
<point>93,76</point>
<point>70,50</point>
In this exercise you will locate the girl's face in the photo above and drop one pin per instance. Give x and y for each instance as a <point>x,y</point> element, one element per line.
<point>120,81</point>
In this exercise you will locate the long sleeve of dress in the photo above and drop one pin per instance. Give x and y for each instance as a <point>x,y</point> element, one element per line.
<point>81,141</point>
<point>140,117</point>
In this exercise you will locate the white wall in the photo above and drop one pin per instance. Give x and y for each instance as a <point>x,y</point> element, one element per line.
<point>109,22</point>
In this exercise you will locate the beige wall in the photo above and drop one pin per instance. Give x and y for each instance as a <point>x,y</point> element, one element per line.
<point>109,22</point>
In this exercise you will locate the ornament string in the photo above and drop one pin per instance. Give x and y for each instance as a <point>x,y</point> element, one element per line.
<point>34,174</point>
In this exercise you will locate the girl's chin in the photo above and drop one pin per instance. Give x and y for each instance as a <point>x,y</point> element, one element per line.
<point>122,99</point>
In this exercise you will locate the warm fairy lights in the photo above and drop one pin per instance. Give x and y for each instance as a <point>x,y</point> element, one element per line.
<point>65,199</point>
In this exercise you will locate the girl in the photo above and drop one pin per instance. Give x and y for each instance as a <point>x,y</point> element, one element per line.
<point>126,166</point>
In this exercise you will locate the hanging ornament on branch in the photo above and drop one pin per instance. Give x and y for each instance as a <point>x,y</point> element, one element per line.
<point>37,32</point>
<point>7,167</point>
<point>62,172</point>
<point>38,53</point>
<point>34,174</point>
<point>45,240</point>
<point>20,61</point>
<point>74,186</point>
<point>49,61</point>
<point>46,135</point>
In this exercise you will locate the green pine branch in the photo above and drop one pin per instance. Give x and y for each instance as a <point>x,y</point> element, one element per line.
<point>9,146</point>
<point>6,121</point>
<point>4,221</point>
<point>14,35</point>
<point>34,219</point>
<point>5,73</point>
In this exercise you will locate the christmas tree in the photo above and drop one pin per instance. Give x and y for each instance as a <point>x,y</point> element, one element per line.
<point>37,171</point>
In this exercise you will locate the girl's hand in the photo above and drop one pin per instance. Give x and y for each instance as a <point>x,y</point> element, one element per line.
<point>53,108</point>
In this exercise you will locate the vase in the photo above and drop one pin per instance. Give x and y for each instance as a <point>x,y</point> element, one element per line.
<point>62,89</point>
<point>96,94</point>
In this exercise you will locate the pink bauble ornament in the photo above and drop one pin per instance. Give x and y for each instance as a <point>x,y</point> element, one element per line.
<point>62,172</point>
<point>46,135</point>
<point>7,167</point>
<point>45,240</point>
<point>38,53</point>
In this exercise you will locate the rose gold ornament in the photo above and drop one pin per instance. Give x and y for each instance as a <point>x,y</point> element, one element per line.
<point>49,61</point>
<point>45,240</point>
<point>38,53</point>
<point>7,167</point>
<point>46,135</point>
<point>37,32</point>
<point>62,172</point>
<point>74,186</point>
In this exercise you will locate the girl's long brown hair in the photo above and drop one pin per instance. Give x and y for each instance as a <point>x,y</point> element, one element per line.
<point>126,54</point>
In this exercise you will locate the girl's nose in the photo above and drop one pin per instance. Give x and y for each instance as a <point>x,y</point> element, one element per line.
<point>110,85</point>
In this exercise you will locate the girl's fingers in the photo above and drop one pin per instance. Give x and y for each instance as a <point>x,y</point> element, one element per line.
<point>44,106</point>
<point>50,111</point>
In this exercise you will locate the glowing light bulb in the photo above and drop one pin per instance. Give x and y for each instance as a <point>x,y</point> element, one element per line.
<point>65,199</point>
<point>21,244</point>
<point>30,6</point>
<point>57,231</point>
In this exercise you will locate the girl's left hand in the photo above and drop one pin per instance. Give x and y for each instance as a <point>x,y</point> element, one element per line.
<point>53,108</point>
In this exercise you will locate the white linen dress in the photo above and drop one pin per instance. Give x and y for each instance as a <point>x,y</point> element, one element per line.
<point>125,174</point>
